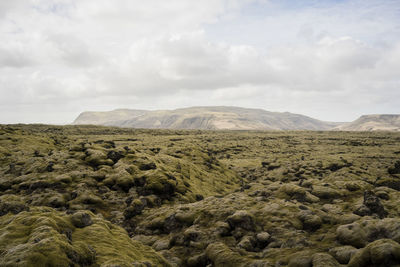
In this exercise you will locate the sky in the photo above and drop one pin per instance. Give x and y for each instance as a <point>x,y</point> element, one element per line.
<point>333,60</point>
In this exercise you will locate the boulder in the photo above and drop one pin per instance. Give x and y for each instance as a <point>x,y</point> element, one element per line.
<point>300,259</point>
<point>11,204</point>
<point>371,205</point>
<point>395,169</point>
<point>161,244</point>
<point>263,238</point>
<point>391,228</point>
<point>383,252</point>
<point>352,186</point>
<point>197,260</point>
<point>326,192</point>
<point>145,166</point>
<point>81,219</point>
<point>221,255</point>
<point>323,260</point>
<point>192,234</point>
<point>352,234</point>
<point>392,182</point>
<point>241,219</point>
<point>222,228</point>
<point>382,194</point>
<point>294,192</point>
<point>247,243</point>
<point>96,158</point>
<point>310,220</point>
<point>343,254</point>
<point>135,208</point>
<point>115,156</point>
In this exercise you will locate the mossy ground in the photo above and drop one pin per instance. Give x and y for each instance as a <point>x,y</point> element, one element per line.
<point>225,198</point>
<point>45,237</point>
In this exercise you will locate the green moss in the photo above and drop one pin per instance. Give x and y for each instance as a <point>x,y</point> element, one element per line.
<point>195,179</point>
<point>383,252</point>
<point>11,204</point>
<point>222,256</point>
<point>97,158</point>
<point>44,237</point>
<point>114,247</point>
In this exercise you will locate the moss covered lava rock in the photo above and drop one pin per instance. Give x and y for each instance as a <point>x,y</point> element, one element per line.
<point>45,237</point>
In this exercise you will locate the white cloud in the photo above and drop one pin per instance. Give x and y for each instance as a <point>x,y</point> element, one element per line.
<point>70,55</point>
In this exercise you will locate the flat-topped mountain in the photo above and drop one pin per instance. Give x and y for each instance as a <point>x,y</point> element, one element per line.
<point>376,122</point>
<point>106,117</point>
<point>231,118</point>
<point>210,118</point>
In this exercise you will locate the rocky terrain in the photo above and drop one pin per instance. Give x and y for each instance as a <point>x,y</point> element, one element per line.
<point>205,118</point>
<point>378,122</point>
<point>103,196</point>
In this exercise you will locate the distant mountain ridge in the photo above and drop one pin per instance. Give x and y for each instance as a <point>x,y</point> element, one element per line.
<point>231,118</point>
<point>104,117</point>
<point>375,122</point>
<point>206,118</point>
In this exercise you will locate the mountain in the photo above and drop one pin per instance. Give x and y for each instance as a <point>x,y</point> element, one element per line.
<point>376,122</point>
<point>206,118</point>
<point>107,117</point>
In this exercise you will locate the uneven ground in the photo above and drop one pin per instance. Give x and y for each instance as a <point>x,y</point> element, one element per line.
<point>98,196</point>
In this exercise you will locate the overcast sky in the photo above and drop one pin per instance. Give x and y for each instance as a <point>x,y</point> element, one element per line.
<point>329,59</point>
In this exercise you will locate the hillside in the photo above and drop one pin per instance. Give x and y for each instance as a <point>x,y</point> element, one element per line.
<point>377,122</point>
<point>106,196</point>
<point>206,118</point>
<point>107,117</point>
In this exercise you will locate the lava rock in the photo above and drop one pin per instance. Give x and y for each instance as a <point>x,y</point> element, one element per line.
<point>300,259</point>
<point>192,234</point>
<point>198,260</point>
<point>343,254</point>
<point>395,169</point>
<point>247,243</point>
<point>241,219</point>
<point>383,252</point>
<point>161,244</point>
<point>323,260</point>
<point>263,238</point>
<point>136,207</point>
<point>145,166</point>
<point>81,219</point>
<point>12,206</point>
<point>352,187</point>
<point>371,205</point>
<point>115,156</point>
<point>326,192</point>
<point>382,194</point>
<point>222,228</point>
<point>352,234</point>
<point>310,220</point>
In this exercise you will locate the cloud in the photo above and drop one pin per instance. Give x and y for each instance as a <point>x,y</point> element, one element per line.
<point>70,56</point>
<point>9,6</point>
<point>14,55</point>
